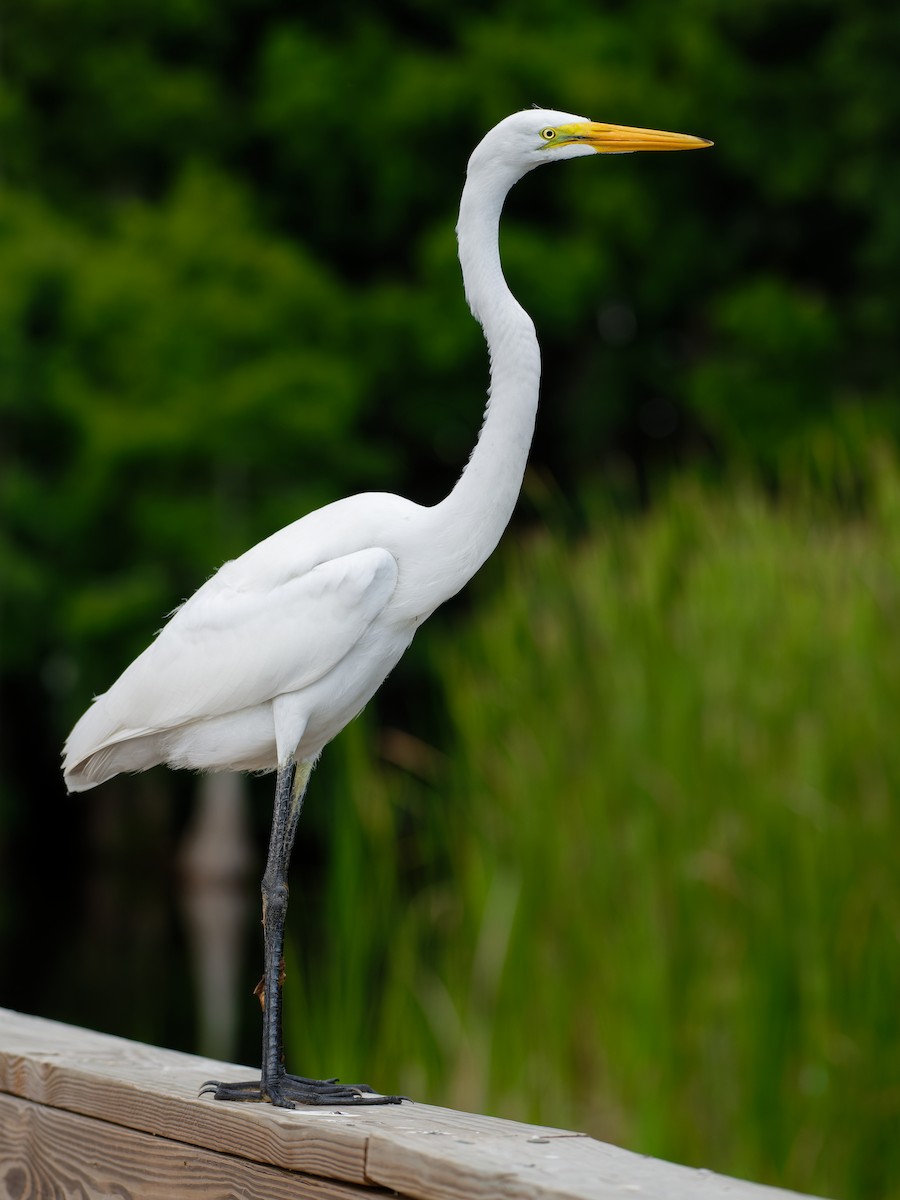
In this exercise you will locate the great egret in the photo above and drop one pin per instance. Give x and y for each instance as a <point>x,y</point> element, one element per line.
<point>285,645</point>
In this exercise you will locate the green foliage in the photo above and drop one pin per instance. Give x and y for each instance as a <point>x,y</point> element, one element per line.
<point>352,135</point>
<point>157,382</point>
<point>779,349</point>
<point>229,285</point>
<point>643,888</point>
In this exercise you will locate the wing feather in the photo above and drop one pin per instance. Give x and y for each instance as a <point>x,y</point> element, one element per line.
<point>242,639</point>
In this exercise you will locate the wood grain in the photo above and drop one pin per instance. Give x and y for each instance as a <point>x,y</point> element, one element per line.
<point>126,1100</point>
<point>558,1166</point>
<point>47,1152</point>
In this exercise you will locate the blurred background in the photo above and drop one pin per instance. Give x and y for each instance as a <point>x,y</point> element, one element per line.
<point>616,847</point>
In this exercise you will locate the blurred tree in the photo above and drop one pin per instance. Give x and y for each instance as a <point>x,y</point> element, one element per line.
<point>165,382</point>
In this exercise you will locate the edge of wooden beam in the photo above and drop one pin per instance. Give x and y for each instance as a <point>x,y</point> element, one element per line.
<point>420,1151</point>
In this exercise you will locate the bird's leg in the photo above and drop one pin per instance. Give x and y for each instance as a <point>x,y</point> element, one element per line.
<point>290,789</point>
<point>275,1085</point>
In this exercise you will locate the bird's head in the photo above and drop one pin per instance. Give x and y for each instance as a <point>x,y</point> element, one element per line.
<point>542,135</point>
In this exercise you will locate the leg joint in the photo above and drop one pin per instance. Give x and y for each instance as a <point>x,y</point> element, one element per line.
<point>274,896</point>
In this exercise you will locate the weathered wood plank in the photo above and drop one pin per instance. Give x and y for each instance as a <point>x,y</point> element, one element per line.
<point>423,1152</point>
<point>550,1166</point>
<point>47,1152</point>
<point>155,1091</point>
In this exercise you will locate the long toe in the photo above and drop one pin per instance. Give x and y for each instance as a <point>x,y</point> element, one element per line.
<point>290,1090</point>
<point>247,1090</point>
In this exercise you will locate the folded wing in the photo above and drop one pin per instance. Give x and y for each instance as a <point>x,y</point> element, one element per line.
<point>242,639</point>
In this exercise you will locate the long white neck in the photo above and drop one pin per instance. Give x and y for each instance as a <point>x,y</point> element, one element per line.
<point>475,514</point>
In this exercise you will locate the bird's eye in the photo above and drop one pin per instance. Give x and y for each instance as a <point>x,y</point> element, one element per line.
<point>548,134</point>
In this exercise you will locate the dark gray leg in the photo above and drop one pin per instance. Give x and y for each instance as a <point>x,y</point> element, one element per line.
<point>290,788</point>
<point>275,1085</point>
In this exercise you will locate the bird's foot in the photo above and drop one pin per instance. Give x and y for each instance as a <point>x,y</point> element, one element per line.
<point>287,1091</point>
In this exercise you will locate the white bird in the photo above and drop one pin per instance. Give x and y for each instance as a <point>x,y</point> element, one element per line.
<point>285,645</point>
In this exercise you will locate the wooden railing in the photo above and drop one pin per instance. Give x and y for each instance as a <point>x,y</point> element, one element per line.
<point>88,1115</point>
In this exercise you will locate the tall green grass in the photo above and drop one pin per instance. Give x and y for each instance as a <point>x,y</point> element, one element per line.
<point>648,884</point>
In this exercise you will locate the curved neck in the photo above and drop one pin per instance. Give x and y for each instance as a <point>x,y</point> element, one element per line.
<point>478,509</point>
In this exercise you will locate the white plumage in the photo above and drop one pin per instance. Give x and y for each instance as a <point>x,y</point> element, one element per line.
<point>302,609</point>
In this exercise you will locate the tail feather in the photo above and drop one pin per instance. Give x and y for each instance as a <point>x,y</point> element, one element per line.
<point>99,748</point>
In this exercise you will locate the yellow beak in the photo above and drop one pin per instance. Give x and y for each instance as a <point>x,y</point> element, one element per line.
<point>620,139</point>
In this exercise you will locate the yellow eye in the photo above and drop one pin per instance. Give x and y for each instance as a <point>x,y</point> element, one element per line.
<point>548,134</point>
